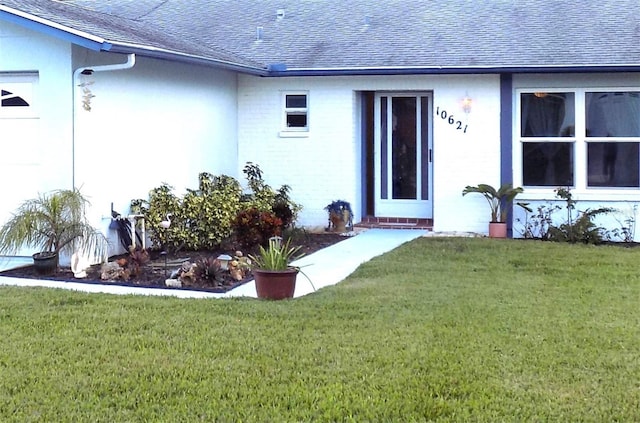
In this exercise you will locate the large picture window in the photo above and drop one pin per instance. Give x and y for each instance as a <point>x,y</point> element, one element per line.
<point>580,138</point>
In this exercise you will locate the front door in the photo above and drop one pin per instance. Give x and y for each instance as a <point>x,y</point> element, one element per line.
<point>403,181</point>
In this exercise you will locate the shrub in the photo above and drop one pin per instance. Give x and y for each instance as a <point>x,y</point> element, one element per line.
<point>136,260</point>
<point>200,220</point>
<point>254,227</point>
<point>576,228</point>
<point>265,198</point>
<point>209,270</point>
<point>211,209</point>
<point>161,204</point>
<point>580,228</point>
<point>203,218</point>
<point>537,225</point>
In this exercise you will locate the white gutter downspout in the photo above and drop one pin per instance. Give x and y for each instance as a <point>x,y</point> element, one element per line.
<point>131,61</point>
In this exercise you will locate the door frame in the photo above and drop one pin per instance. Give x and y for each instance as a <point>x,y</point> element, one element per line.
<point>419,208</point>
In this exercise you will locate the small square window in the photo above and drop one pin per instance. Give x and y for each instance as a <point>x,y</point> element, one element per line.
<point>296,112</point>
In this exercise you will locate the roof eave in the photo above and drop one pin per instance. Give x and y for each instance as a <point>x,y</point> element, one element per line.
<point>96,43</point>
<point>280,70</point>
<point>53,29</point>
<point>164,54</point>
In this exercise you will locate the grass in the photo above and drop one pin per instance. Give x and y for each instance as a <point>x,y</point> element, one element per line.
<point>437,330</point>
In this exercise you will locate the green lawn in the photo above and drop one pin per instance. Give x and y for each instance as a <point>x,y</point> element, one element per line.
<point>437,330</point>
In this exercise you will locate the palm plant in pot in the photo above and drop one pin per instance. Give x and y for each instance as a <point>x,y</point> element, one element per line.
<point>53,222</point>
<point>274,275</point>
<point>499,202</point>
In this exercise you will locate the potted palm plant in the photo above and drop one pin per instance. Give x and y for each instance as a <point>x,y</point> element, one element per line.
<point>274,275</point>
<point>340,215</point>
<point>54,222</point>
<point>499,201</point>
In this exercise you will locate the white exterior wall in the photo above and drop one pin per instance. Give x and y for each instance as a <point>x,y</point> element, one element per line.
<point>325,165</point>
<point>156,122</point>
<point>48,165</point>
<point>35,154</point>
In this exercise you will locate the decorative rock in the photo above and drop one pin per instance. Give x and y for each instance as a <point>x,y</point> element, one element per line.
<point>113,271</point>
<point>188,278</point>
<point>236,274</point>
<point>174,283</point>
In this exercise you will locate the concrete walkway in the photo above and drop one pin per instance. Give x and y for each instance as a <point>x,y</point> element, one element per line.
<point>325,267</point>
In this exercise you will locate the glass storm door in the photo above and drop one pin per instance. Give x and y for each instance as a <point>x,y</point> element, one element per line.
<point>403,185</point>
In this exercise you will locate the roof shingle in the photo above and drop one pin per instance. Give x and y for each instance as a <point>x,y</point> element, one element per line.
<point>350,34</point>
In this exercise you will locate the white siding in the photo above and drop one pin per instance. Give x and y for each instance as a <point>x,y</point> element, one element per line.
<point>156,122</point>
<point>325,165</point>
<point>35,151</point>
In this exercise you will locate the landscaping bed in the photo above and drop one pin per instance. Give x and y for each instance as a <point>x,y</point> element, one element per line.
<point>153,273</point>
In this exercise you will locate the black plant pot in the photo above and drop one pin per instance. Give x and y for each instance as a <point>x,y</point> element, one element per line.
<point>45,263</point>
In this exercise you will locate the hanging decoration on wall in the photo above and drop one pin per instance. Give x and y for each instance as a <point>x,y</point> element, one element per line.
<point>85,85</point>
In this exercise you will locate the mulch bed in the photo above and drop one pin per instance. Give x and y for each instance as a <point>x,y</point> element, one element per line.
<point>153,273</point>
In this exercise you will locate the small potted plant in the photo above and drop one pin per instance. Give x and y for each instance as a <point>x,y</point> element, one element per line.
<point>499,201</point>
<point>54,222</point>
<point>274,275</point>
<point>340,215</point>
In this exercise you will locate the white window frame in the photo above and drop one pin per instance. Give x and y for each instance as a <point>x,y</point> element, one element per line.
<point>293,131</point>
<point>580,141</point>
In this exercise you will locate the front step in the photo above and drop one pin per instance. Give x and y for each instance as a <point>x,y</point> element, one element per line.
<point>395,223</point>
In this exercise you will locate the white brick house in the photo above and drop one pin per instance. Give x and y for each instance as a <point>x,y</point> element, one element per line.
<point>320,94</point>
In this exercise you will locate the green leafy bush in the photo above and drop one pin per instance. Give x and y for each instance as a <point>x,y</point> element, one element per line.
<point>263,197</point>
<point>210,210</point>
<point>203,218</point>
<point>162,204</point>
<point>578,226</point>
<point>200,220</point>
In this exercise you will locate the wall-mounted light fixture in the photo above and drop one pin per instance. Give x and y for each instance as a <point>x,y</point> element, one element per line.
<point>466,103</point>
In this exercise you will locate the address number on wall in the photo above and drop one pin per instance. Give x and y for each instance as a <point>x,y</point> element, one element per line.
<point>451,120</point>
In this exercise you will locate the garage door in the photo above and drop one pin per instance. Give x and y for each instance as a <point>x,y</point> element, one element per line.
<point>20,155</point>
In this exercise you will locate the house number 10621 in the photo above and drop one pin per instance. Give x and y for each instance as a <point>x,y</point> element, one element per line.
<point>451,120</point>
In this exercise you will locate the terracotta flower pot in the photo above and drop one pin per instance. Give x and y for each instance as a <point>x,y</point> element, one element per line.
<point>275,284</point>
<point>339,221</point>
<point>497,230</point>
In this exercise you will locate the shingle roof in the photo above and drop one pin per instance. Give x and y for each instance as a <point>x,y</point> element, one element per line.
<point>128,34</point>
<point>356,34</point>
